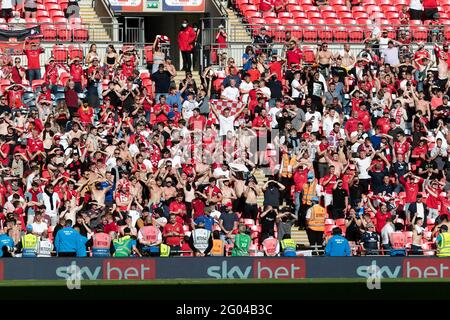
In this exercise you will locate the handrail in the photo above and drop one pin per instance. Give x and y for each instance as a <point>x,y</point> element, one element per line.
<point>218,4</point>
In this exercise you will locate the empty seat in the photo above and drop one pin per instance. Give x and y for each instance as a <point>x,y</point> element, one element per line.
<point>284,15</point>
<point>329,14</point>
<point>60,53</point>
<point>269,14</point>
<point>310,34</point>
<point>340,34</point>
<point>313,14</point>
<point>48,32</point>
<point>299,14</point>
<point>80,33</point>
<point>294,8</point>
<point>64,32</point>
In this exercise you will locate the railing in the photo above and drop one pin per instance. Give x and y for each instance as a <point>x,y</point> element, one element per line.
<point>58,32</point>
<point>219,5</point>
<point>106,16</point>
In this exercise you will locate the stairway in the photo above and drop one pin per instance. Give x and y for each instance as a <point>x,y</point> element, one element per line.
<point>236,30</point>
<point>97,32</point>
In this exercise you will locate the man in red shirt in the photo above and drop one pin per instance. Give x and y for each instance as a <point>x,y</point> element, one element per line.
<point>173,233</point>
<point>384,122</point>
<point>35,146</point>
<point>178,208</point>
<point>276,65</point>
<point>261,124</point>
<point>127,68</point>
<point>412,184</point>
<point>15,93</point>
<point>197,122</point>
<point>86,114</point>
<point>161,110</point>
<point>381,217</point>
<point>186,38</point>
<point>402,146</point>
<point>76,71</point>
<point>328,182</point>
<point>34,64</point>
<point>17,72</point>
<point>352,124</point>
<point>294,54</point>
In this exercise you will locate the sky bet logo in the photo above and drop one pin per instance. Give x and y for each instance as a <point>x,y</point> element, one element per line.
<point>113,269</point>
<point>261,269</point>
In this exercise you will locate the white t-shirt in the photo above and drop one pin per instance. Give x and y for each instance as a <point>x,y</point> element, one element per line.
<point>316,121</point>
<point>273,113</point>
<point>39,227</point>
<point>226,124</point>
<point>245,87</point>
<point>363,166</point>
<point>231,93</point>
<point>385,232</point>
<point>188,107</point>
<point>134,216</point>
<point>6,4</point>
<point>266,91</point>
<point>295,92</point>
<point>328,123</point>
<point>218,173</point>
<point>416,5</point>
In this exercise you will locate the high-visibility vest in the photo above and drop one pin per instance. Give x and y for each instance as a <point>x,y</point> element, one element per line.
<point>286,168</point>
<point>444,246</point>
<point>164,250</point>
<point>201,239</point>
<point>150,233</point>
<point>29,245</point>
<point>309,192</point>
<point>123,247</point>
<point>241,245</point>
<point>317,220</point>
<point>218,248</point>
<point>101,245</point>
<point>270,246</point>
<point>397,240</point>
<point>288,243</point>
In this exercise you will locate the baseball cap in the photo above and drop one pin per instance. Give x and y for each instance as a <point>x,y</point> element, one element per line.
<point>29,228</point>
<point>315,199</point>
<point>229,204</point>
<point>310,176</point>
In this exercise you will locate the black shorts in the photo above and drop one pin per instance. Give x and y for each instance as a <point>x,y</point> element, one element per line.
<point>415,14</point>
<point>428,14</point>
<point>30,9</point>
<point>7,13</point>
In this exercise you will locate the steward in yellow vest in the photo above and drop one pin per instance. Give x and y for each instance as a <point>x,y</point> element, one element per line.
<point>443,242</point>
<point>30,244</point>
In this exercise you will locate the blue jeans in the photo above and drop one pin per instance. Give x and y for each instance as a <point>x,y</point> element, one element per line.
<point>34,74</point>
<point>297,197</point>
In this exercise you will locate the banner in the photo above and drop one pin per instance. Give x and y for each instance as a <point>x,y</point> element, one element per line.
<point>224,268</point>
<point>184,5</point>
<point>20,35</point>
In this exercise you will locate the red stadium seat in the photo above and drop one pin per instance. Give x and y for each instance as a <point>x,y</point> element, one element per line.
<point>329,222</point>
<point>44,20</point>
<point>329,14</point>
<point>60,53</point>
<point>31,22</point>
<point>340,222</point>
<point>309,8</point>
<point>340,34</point>
<point>313,14</point>
<point>75,20</point>
<point>345,15</point>
<point>296,32</point>
<point>249,222</point>
<point>308,55</point>
<point>60,20</point>
<point>284,15</point>
<point>294,8</point>
<point>372,9</point>
<point>363,21</point>
<point>392,15</point>
<point>341,8</point>
<point>347,21</point>
<point>333,21</point>
<point>80,33</point>
<point>358,15</point>
<point>335,3</point>
<point>419,33</point>
<point>318,21</point>
<point>269,14</point>
<point>355,34</point>
<point>48,32</point>
<point>310,34</point>
<point>64,32</point>
<point>40,7</point>
<point>377,15</point>
<point>299,14</point>
<point>329,228</point>
<point>327,9</point>
<point>42,13</point>
<point>75,51</point>
<point>253,14</point>
<point>52,6</point>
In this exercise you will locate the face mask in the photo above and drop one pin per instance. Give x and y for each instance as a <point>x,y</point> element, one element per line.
<point>184,25</point>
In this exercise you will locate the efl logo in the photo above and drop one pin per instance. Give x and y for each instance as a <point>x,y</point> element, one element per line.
<point>426,268</point>
<point>279,268</point>
<point>129,269</point>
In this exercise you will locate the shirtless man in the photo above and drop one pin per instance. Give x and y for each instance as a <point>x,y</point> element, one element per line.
<point>348,59</point>
<point>98,192</point>
<point>324,58</point>
<point>228,193</point>
<point>251,193</point>
<point>74,133</point>
<point>202,172</point>
<point>155,191</point>
<point>442,65</point>
<point>336,163</point>
<point>422,105</point>
<point>71,211</point>
<point>169,191</point>
<point>124,152</point>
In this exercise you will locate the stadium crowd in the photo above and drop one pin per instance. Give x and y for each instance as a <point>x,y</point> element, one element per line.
<point>100,158</point>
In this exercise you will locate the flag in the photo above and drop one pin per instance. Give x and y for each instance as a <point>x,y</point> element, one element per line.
<point>220,105</point>
<point>20,35</point>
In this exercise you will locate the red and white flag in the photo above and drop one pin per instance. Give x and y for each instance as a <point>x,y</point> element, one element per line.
<point>220,105</point>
